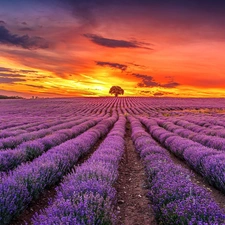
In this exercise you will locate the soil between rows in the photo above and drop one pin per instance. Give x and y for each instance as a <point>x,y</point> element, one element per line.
<point>133,205</point>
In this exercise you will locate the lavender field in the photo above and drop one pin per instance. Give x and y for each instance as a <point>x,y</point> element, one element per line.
<point>78,149</point>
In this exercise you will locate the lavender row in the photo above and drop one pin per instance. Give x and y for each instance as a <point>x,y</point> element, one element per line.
<point>25,123</point>
<point>38,108</point>
<point>16,123</point>
<point>23,127</point>
<point>87,196</point>
<point>208,141</point>
<point>216,121</point>
<point>32,127</point>
<point>212,131</point>
<point>7,133</point>
<point>30,179</point>
<point>208,129</point>
<point>41,110</point>
<point>209,162</point>
<point>175,198</point>
<point>29,150</point>
<point>47,123</point>
<point>12,142</point>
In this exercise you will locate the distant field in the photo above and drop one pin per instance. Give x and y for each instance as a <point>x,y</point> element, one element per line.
<point>112,161</point>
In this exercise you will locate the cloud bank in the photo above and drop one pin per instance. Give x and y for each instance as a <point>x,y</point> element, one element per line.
<point>119,66</point>
<point>114,43</point>
<point>24,41</point>
<point>148,81</point>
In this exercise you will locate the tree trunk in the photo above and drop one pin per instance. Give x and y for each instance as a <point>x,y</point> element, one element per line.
<point>116,95</point>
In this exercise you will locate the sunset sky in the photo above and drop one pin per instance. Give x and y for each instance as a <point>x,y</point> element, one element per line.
<point>66,48</point>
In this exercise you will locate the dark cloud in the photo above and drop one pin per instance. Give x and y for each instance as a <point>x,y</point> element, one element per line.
<point>25,29</point>
<point>182,16</point>
<point>164,93</point>
<point>7,75</point>
<point>147,81</point>
<point>158,94</point>
<point>8,80</point>
<point>22,41</point>
<point>145,92</point>
<point>216,6</point>
<point>35,86</point>
<point>88,12</point>
<point>3,69</point>
<point>113,43</point>
<point>85,12</point>
<point>208,3</point>
<point>92,11</point>
<point>2,22</point>
<point>148,93</point>
<point>199,11</point>
<point>170,85</point>
<point>44,76</point>
<point>28,71</point>
<point>119,66</point>
<point>137,65</point>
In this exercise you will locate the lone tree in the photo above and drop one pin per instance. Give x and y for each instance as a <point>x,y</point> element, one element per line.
<point>116,90</point>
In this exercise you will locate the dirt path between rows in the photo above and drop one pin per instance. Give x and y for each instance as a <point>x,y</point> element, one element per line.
<point>133,205</point>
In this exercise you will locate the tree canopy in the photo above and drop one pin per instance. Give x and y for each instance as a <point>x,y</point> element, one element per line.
<point>116,90</point>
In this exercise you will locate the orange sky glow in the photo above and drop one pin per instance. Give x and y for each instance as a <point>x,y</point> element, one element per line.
<point>83,49</point>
